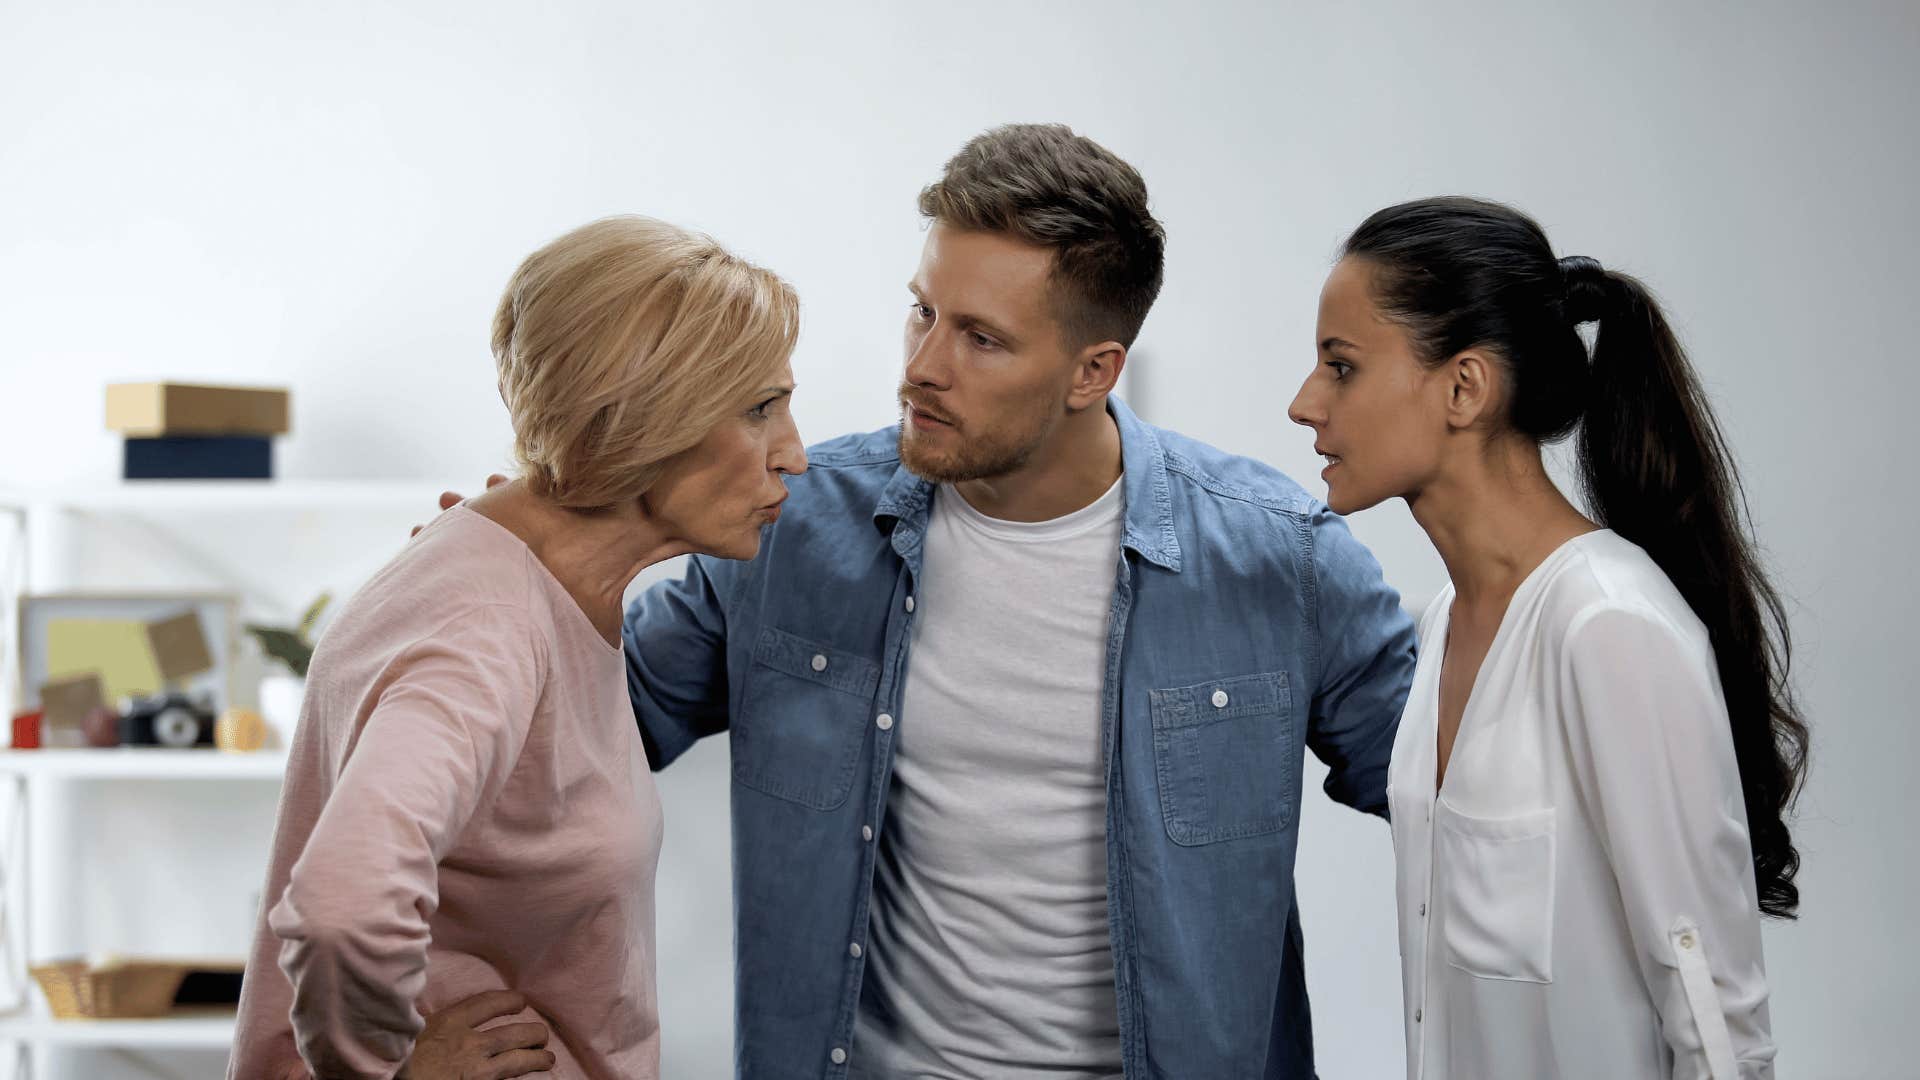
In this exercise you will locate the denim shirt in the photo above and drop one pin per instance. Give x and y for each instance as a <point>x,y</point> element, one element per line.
<point>1247,624</point>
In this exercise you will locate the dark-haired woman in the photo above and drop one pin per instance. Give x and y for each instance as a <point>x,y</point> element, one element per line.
<point>1588,784</point>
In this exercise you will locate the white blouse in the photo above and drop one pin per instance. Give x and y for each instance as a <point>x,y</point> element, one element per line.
<point>1579,899</point>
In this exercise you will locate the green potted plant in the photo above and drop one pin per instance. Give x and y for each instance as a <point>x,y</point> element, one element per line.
<point>292,648</point>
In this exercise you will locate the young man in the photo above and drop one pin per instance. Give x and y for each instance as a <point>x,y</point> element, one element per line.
<point>1017,691</point>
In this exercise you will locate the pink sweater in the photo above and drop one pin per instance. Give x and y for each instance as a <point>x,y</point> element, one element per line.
<point>467,807</point>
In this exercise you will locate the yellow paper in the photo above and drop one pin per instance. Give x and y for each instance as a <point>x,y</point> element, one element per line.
<point>116,648</point>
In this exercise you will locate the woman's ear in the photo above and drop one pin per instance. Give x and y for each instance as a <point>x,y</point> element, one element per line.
<point>643,509</point>
<point>1471,390</point>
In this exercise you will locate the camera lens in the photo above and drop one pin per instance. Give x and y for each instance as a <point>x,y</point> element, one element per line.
<point>176,726</point>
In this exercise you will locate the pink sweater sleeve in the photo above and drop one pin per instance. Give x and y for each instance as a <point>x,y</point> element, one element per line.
<point>353,921</point>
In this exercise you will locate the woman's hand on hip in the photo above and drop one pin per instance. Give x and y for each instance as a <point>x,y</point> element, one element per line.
<point>452,1046</point>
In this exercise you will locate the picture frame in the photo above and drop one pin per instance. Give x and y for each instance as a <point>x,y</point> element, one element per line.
<point>216,612</point>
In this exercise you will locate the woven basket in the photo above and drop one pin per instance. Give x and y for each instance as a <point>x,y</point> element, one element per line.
<point>116,989</point>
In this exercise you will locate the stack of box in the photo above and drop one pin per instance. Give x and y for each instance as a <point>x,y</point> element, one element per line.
<point>185,431</point>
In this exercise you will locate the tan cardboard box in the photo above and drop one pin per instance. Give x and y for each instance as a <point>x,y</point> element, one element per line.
<point>170,408</point>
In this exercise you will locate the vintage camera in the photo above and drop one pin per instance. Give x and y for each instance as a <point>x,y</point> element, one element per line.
<point>166,719</point>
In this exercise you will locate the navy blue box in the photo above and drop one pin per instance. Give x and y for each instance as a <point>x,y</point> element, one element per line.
<point>199,457</point>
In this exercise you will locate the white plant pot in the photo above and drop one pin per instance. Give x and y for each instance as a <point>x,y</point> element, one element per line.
<point>280,697</point>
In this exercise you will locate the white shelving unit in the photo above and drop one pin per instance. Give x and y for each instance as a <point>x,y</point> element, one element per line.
<point>142,763</point>
<point>38,534</point>
<point>175,496</point>
<point>29,1028</point>
<point>190,1029</point>
<point>47,518</point>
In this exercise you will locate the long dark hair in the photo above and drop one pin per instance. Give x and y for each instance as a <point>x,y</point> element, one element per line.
<point>1462,273</point>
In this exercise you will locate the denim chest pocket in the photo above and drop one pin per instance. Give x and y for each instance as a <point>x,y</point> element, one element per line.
<point>803,713</point>
<point>1222,751</point>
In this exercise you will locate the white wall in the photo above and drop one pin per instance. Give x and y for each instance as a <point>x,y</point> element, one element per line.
<point>331,196</point>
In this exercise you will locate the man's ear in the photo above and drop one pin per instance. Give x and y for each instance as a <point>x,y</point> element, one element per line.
<point>1472,388</point>
<point>1095,371</point>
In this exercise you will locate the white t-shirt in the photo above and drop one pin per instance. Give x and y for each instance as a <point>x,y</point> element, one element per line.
<point>1579,899</point>
<point>988,945</point>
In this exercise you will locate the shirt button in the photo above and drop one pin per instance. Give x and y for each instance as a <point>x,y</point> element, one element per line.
<point>1686,941</point>
<point>1219,699</point>
<point>1423,911</point>
<point>839,1056</point>
<point>1416,1016</point>
<point>909,605</point>
<point>866,832</point>
<point>819,662</point>
<point>853,950</point>
<point>885,722</point>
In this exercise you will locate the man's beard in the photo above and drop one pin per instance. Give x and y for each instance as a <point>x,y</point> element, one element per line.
<point>994,452</point>
<point>977,459</point>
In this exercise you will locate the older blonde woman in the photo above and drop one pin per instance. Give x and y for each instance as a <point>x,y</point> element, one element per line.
<point>469,829</point>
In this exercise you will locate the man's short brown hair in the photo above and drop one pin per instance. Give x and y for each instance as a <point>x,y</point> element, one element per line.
<point>1047,186</point>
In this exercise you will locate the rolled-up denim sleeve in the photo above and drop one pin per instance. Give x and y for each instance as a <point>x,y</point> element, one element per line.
<point>675,636</point>
<point>1365,649</point>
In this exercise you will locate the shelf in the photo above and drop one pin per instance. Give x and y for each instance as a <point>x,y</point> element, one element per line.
<point>143,763</point>
<point>188,1029</point>
<point>206,495</point>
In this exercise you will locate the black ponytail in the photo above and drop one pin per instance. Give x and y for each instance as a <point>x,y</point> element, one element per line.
<point>1461,273</point>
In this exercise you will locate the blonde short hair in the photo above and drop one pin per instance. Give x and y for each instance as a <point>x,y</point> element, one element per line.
<point>622,344</point>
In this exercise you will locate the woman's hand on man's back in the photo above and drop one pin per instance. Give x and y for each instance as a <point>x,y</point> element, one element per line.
<point>451,499</point>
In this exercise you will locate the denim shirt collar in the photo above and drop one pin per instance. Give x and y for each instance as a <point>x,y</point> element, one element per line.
<point>907,500</point>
